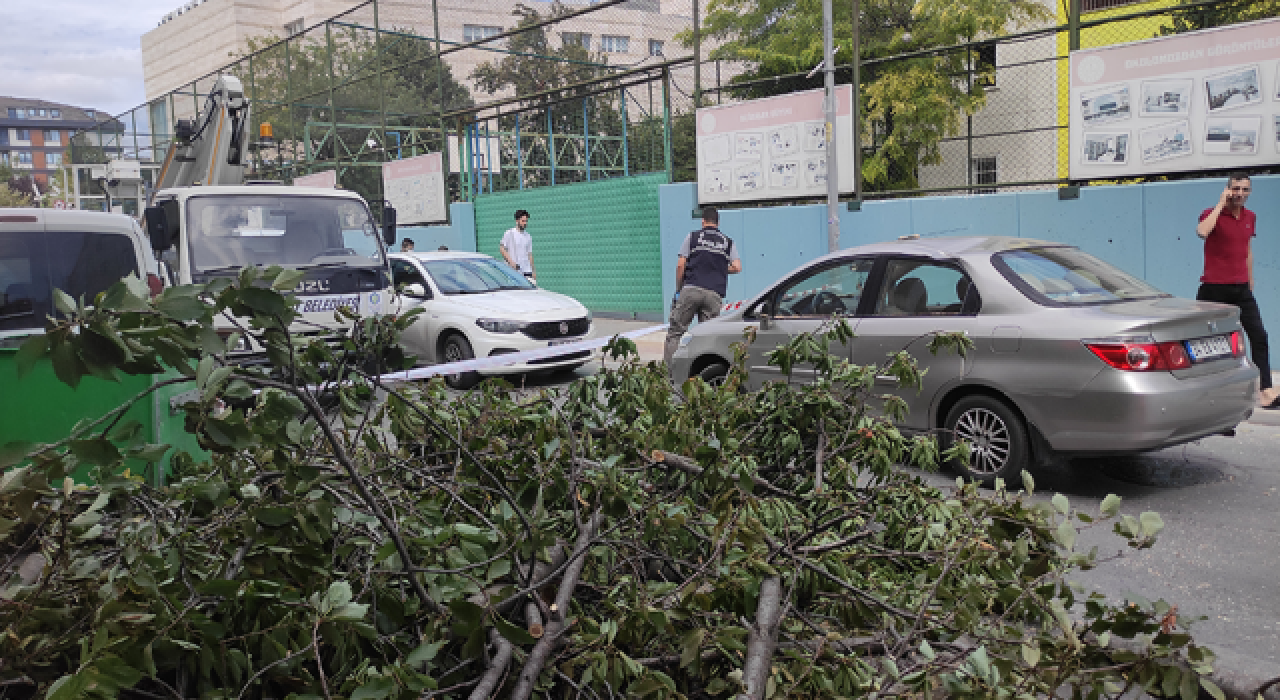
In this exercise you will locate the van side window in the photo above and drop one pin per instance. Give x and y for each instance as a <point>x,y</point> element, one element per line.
<point>33,264</point>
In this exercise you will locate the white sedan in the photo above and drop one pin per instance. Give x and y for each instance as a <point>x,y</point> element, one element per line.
<point>476,306</point>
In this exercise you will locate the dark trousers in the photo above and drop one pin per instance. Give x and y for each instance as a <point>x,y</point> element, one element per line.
<point>1239,295</point>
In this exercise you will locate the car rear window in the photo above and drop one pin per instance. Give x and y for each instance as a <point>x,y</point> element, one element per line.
<point>33,264</point>
<point>1064,276</point>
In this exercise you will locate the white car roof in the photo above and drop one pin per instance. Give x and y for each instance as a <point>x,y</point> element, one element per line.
<point>439,255</point>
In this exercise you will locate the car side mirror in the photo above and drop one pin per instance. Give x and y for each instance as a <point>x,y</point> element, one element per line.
<point>163,224</point>
<point>766,322</point>
<point>415,290</point>
<point>389,225</point>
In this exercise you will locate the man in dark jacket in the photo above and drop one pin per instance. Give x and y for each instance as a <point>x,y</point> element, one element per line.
<point>706,260</point>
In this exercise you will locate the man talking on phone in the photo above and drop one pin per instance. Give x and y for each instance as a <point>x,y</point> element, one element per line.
<point>1228,230</point>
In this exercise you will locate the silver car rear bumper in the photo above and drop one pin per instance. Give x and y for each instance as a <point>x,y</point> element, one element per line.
<point>1137,411</point>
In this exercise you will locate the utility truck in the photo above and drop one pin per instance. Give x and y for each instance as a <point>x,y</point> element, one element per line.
<point>204,222</point>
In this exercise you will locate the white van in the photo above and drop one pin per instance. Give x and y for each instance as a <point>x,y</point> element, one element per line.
<point>80,252</point>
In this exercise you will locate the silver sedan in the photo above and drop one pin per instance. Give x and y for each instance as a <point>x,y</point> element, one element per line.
<point>1071,357</point>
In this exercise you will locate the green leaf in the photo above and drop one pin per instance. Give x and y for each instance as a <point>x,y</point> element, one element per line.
<point>1060,503</point>
<point>32,349</point>
<point>1030,653</point>
<point>1189,688</point>
<point>95,451</point>
<point>12,453</point>
<point>1212,688</point>
<point>1066,535</point>
<point>690,645</point>
<point>276,517</point>
<point>927,651</point>
<point>467,616</point>
<point>351,612</point>
<point>423,654</point>
<point>66,365</point>
<point>263,300</point>
<point>1152,523</point>
<point>203,370</point>
<point>287,280</point>
<point>1110,505</point>
<point>338,595</point>
<point>375,689</point>
<point>514,634</point>
<point>63,302</point>
<point>181,307</point>
<point>69,687</point>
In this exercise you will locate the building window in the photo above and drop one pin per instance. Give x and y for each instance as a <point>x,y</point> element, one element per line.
<point>53,160</point>
<point>43,113</point>
<point>52,137</point>
<point>294,28</point>
<point>4,157</point>
<point>4,137</point>
<point>21,159</point>
<point>984,172</point>
<point>1095,5</point>
<point>21,135</point>
<point>984,66</point>
<point>579,39</point>
<point>55,114</point>
<point>89,114</point>
<point>614,44</point>
<point>476,32</point>
<point>655,47</point>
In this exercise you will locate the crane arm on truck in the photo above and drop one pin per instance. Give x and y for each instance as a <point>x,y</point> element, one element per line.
<point>210,150</point>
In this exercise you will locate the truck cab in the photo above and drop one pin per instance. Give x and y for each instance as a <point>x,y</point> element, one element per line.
<point>205,232</point>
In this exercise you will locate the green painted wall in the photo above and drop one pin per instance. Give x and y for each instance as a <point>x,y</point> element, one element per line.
<point>38,408</point>
<point>599,242</point>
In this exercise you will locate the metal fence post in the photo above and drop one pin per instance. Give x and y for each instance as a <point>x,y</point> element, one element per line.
<point>444,137</point>
<point>382,93</point>
<point>586,139</point>
<point>519,154</point>
<point>697,55</point>
<point>626,153</point>
<point>1073,25</point>
<point>666,123</point>
<point>551,145</point>
<point>333,112</point>
<point>856,50</point>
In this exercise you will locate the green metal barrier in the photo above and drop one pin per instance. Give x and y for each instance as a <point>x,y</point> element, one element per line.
<point>598,242</point>
<point>40,409</point>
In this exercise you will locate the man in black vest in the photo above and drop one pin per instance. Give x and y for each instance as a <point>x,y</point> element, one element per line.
<point>706,260</point>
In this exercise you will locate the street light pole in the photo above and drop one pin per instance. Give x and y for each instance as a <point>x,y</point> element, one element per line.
<point>829,106</point>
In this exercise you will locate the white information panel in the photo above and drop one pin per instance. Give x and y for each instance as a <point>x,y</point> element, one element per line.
<point>327,179</point>
<point>772,148</point>
<point>1202,100</point>
<point>415,187</point>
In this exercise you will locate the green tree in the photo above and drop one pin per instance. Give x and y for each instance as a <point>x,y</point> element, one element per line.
<point>908,105</point>
<point>9,195</point>
<point>537,64</point>
<point>398,72</point>
<point>1218,14</point>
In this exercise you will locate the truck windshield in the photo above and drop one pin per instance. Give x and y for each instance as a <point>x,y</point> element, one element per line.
<point>229,232</point>
<point>34,263</point>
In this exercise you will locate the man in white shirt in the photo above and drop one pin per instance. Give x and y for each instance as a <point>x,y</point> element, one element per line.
<point>517,247</point>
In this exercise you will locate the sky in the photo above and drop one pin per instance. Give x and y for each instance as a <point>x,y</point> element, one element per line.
<point>79,52</point>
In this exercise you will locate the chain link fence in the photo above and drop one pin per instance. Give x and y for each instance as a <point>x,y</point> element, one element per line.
<point>519,96</point>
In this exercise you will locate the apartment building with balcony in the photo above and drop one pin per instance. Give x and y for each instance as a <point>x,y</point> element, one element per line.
<point>35,135</point>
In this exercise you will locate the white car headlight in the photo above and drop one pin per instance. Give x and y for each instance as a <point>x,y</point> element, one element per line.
<point>501,325</point>
<point>684,339</point>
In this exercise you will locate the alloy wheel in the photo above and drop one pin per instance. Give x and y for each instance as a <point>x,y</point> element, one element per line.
<point>988,438</point>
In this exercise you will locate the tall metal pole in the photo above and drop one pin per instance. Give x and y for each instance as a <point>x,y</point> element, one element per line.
<point>857,101</point>
<point>697,55</point>
<point>829,105</point>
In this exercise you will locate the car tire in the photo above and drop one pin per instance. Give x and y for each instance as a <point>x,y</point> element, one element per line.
<point>998,444</point>
<point>456,348</point>
<point>714,374</point>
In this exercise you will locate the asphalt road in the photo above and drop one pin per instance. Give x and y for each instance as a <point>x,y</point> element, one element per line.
<point>1219,554</point>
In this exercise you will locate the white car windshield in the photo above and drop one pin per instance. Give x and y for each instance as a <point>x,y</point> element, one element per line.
<point>474,276</point>
<point>230,232</point>
<point>1069,276</point>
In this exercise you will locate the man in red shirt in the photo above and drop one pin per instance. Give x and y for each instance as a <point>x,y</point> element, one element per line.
<point>1228,230</point>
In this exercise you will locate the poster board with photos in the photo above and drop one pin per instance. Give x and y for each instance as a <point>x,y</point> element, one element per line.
<point>772,148</point>
<point>1202,100</point>
<point>415,187</point>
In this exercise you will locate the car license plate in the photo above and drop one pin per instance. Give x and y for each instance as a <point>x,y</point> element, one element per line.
<point>553,343</point>
<point>310,305</point>
<point>1211,348</point>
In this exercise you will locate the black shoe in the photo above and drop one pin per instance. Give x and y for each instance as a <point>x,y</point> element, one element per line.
<point>1274,405</point>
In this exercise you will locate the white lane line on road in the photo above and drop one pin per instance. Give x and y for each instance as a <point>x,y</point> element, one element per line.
<point>515,358</point>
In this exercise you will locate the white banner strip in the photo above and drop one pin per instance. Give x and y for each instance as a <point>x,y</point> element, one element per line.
<point>514,358</point>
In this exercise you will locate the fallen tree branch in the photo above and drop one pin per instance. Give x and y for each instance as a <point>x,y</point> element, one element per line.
<point>762,639</point>
<point>689,466</point>
<point>556,620</point>
<point>497,667</point>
